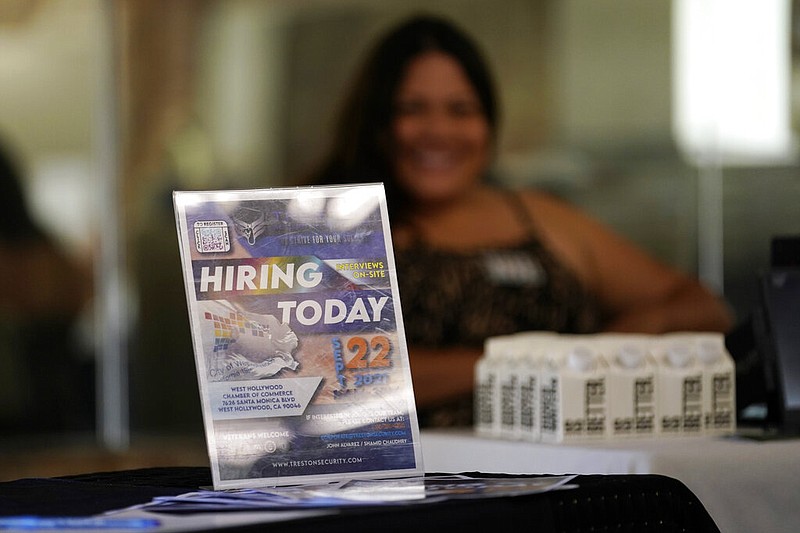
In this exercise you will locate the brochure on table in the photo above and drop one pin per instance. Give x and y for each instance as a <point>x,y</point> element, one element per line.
<point>358,493</point>
<point>298,336</point>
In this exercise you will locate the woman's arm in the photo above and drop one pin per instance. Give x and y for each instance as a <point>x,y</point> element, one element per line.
<point>37,279</point>
<point>688,306</point>
<point>441,375</point>
<point>639,293</point>
<point>646,296</point>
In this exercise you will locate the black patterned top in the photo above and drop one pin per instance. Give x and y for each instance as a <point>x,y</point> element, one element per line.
<point>461,298</point>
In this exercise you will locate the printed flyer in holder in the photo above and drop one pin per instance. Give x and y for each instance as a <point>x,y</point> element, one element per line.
<point>298,335</point>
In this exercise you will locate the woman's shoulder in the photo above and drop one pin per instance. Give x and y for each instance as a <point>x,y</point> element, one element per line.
<point>562,227</point>
<point>548,209</point>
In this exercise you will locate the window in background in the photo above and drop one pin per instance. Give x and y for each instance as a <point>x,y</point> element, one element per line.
<point>732,121</point>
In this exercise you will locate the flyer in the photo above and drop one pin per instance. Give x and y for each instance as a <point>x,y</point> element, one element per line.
<point>298,335</point>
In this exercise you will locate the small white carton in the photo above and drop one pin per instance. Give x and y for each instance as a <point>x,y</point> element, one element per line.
<point>719,384</point>
<point>486,396</point>
<point>632,381</point>
<point>530,348</point>
<point>573,399</point>
<point>509,393</point>
<point>679,385</point>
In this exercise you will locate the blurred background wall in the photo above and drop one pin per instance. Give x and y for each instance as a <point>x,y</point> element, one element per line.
<point>110,105</point>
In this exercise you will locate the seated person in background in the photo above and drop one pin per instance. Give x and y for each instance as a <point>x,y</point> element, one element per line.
<point>474,259</point>
<point>48,379</point>
<point>37,277</point>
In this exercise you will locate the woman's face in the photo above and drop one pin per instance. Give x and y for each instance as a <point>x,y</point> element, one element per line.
<point>440,131</point>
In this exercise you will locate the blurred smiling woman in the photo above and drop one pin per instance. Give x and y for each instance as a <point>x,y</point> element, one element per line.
<point>475,259</point>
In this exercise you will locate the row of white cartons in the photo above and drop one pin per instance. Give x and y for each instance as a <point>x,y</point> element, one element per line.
<point>549,387</point>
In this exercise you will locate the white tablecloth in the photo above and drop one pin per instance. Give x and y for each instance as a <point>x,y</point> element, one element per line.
<point>747,486</point>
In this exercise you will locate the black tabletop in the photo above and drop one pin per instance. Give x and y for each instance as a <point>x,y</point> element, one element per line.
<point>635,503</point>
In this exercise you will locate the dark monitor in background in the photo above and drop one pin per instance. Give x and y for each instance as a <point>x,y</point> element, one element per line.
<point>767,353</point>
<point>785,251</point>
<point>781,300</point>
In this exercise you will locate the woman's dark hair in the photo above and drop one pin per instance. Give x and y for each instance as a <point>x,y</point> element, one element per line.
<point>360,151</point>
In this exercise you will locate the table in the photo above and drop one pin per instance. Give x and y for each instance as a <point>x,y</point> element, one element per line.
<point>641,503</point>
<point>746,485</point>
